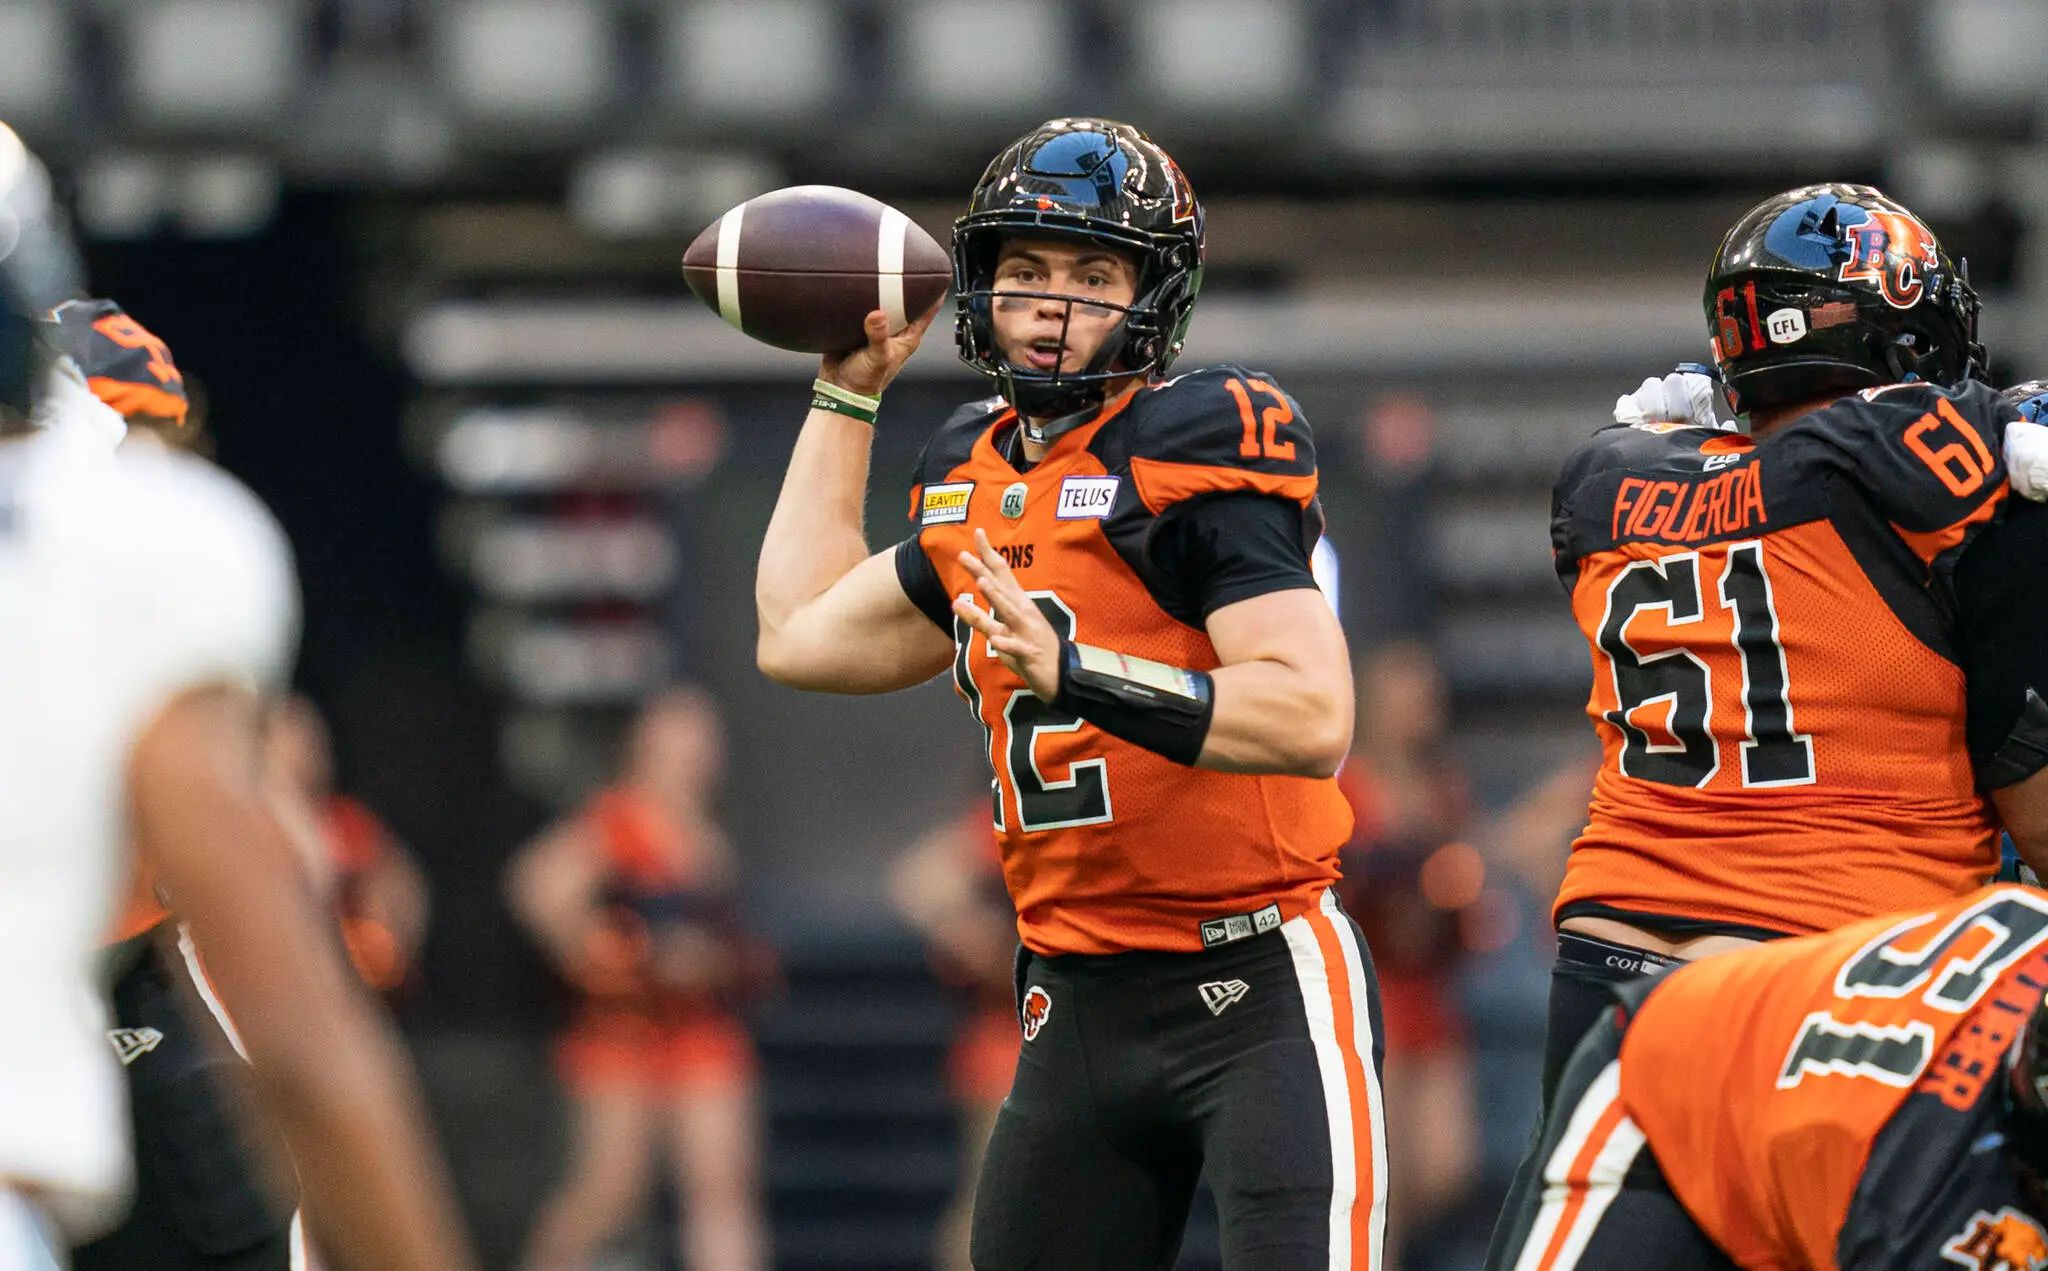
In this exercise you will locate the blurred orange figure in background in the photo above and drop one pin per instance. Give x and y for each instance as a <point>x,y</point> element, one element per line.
<point>377,891</point>
<point>1409,878</point>
<point>633,898</point>
<point>949,886</point>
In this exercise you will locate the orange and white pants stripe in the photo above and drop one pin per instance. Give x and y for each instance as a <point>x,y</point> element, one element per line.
<point>1329,967</point>
<point>1582,1176</point>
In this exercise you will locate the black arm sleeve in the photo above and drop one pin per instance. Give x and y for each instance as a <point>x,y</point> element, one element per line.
<point>2001,589</point>
<point>1230,547</point>
<point>921,583</point>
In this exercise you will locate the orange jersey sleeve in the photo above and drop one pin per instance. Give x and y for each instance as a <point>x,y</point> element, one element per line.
<point>1762,1078</point>
<point>1107,846</point>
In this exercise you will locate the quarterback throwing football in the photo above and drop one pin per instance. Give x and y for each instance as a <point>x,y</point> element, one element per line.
<point>1116,567</point>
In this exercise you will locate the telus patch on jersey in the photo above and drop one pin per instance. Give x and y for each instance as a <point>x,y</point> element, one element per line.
<point>1086,498</point>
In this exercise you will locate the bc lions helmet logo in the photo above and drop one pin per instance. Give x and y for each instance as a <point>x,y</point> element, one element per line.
<point>2005,1241</point>
<point>1896,252</point>
<point>1037,1009</point>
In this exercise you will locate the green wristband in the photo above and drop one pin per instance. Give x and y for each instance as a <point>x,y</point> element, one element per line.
<point>844,401</point>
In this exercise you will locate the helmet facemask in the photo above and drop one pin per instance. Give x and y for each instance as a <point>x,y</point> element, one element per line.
<point>1086,181</point>
<point>1138,344</point>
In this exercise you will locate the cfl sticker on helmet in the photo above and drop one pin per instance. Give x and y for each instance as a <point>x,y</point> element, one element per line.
<point>945,504</point>
<point>1036,1010</point>
<point>1786,326</point>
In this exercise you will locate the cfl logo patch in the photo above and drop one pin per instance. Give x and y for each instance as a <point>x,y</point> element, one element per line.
<point>1037,1009</point>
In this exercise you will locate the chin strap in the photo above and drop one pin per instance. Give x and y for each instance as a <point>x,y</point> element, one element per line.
<point>1042,433</point>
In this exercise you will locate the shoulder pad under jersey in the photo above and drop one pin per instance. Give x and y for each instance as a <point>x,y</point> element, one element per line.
<point>1928,458</point>
<point>950,446</point>
<point>1219,430</point>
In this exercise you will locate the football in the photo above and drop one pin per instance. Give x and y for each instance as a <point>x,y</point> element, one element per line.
<point>801,268</point>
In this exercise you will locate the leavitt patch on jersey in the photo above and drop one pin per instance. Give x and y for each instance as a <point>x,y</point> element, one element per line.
<point>945,504</point>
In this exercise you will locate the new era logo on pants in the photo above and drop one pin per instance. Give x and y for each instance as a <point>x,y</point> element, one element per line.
<point>1220,995</point>
<point>132,1044</point>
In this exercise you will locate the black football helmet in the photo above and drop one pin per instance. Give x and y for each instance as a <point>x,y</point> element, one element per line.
<point>1103,182</point>
<point>1835,288</point>
<point>2031,398</point>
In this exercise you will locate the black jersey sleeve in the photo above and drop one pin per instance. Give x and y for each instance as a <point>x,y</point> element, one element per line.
<point>1221,430</point>
<point>920,579</point>
<point>2001,591</point>
<point>1930,460</point>
<point>1230,547</point>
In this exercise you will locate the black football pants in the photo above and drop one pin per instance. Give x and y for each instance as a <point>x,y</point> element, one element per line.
<point>1596,1199</point>
<point>198,1205</point>
<point>1255,1064</point>
<point>1586,984</point>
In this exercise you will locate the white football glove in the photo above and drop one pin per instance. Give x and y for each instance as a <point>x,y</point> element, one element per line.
<point>2026,459</point>
<point>1682,397</point>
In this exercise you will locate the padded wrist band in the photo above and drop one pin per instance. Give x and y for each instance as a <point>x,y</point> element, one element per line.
<point>844,401</point>
<point>1165,709</point>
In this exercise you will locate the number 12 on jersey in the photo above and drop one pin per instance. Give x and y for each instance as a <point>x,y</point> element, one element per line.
<point>1672,674</point>
<point>1042,802</point>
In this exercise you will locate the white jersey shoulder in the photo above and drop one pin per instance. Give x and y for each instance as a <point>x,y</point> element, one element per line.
<point>125,580</point>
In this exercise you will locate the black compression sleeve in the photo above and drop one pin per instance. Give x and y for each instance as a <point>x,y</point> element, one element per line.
<point>2002,634</point>
<point>921,583</point>
<point>1230,547</point>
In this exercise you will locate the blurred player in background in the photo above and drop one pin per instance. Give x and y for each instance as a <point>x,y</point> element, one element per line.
<point>1871,1099</point>
<point>634,899</point>
<point>221,1210</point>
<point>1116,565</point>
<point>206,1195</point>
<point>154,602</point>
<point>1410,876</point>
<point>377,892</point>
<point>950,887</point>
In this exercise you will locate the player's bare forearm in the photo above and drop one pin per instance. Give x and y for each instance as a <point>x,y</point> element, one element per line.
<point>328,1069</point>
<point>1283,692</point>
<point>834,618</point>
<point>814,537</point>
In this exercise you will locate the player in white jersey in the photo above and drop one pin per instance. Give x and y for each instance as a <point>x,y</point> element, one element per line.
<point>148,599</point>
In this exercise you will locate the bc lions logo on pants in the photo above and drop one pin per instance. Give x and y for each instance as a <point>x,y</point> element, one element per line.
<point>1037,1009</point>
<point>2005,1241</point>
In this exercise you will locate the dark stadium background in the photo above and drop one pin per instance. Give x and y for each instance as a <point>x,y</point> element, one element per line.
<point>1455,229</point>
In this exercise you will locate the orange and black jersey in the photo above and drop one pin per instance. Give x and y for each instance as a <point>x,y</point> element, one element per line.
<point>1778,670</point>
<point>1838,1101</point>
<point>1175,499</point>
